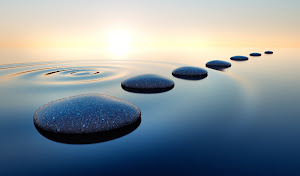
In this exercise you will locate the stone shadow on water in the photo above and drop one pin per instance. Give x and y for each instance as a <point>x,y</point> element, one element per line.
<point>190,77</point>
<point>89,138</point>
<point>218,65</point>
<point>190,73</point>
<point>217,68</point>
<point>147,83</point>
<point>147,91</point>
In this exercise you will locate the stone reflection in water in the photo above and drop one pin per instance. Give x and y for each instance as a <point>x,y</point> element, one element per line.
<point>86,117</point>
<point>218,64</point>
<point>147,83</point>
<point>268,52</point>
<point>239,58</point>
<point>255,54</point>
<point>190,73</point>
<point>89,138</point>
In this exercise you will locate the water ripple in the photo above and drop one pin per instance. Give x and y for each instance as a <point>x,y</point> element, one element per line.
<point>75,72</point>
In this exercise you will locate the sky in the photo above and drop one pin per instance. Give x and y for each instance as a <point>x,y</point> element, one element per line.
<point>155,23</point>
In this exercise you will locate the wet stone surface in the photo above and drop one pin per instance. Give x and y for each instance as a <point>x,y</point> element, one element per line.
<point>255,54</point>
<point>147,83</point>
<point>86,114</point>
<point>239,58</point>
<point>190,73</point>
<point>268,52</point>
<point>218,64</point>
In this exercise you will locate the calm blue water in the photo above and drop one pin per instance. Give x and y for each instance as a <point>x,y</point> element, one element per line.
<point>240,121</point>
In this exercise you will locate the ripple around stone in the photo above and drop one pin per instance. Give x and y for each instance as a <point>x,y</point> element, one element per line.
<point>190,73</point>
<point>255,54</point>
<point>218,64</point>
<point>239,58</point>
<point>87,118</point>
<point>147,83</point>
<point>268,52</point>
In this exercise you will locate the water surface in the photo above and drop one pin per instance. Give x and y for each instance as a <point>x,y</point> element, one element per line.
<point>240,121</point>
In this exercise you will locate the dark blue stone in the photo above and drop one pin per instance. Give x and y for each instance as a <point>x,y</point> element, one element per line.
<point>190,73</point>
<point>268,52</point>
<point>88,138</point>
<point>239,58</point>
<point>255,54</point>
<point>147,83</point>
<point>218,64</point>
<point>86,114</point>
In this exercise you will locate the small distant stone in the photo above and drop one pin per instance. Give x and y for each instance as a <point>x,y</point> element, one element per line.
<point>239,58</point>
<point>268,52</point>
<point>86,114</point>
<point>190,73</point>
<point>255,54</point>
<point>147,83</point>
<point>218,64</point>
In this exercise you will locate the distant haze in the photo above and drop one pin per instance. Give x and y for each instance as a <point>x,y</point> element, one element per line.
<point>155,23</point>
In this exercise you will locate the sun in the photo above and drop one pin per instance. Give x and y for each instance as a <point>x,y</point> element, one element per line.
<point>119,42</point>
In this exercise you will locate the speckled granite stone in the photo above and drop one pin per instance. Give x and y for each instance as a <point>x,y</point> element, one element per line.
<point>268,52</point>
<point>86,114</point>
<point>147,83</point>
<point>190,73</point>
<point>239,58</point>
<point>218,64</point>
<point>255,54</point>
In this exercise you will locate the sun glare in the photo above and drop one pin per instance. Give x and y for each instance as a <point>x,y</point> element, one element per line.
<point>119,43</point>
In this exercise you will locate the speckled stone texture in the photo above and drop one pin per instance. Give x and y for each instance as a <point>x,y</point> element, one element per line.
<point>86,114</point>
<point>255,54</point>
<point>239,58</point>
<point>218,64</point>
<point>147,83</point>
<point>268,52</point>
<point>190,73</point>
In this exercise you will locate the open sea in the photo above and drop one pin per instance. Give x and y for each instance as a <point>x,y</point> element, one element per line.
<point>244,120</point>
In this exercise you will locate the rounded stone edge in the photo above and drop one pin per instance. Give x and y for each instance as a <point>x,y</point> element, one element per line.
<point>66,98</point>
<point>90,138</point>
<point>268,52</point>
<point>198,77</point>
<point>255,54</point>
<point>239,58</point>
<point>147,90</point>
<point>210,65</point>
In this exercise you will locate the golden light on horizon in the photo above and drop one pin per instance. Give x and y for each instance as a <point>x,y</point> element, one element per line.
<point>106,24</point>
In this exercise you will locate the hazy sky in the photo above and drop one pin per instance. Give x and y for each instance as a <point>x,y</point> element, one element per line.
<point>55,23</point>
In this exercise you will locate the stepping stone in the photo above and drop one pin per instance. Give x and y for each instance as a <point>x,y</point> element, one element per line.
<point>86,115</point>
<point>89,138</point>
<point>147,83</point>
<point>255,54</point>
<point>190,73</point>
<point>268,52</point>
<point>218,64</point>
<point>239,58</point>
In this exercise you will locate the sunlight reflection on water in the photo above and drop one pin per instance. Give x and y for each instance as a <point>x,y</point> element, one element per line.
<point>232,115</point>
